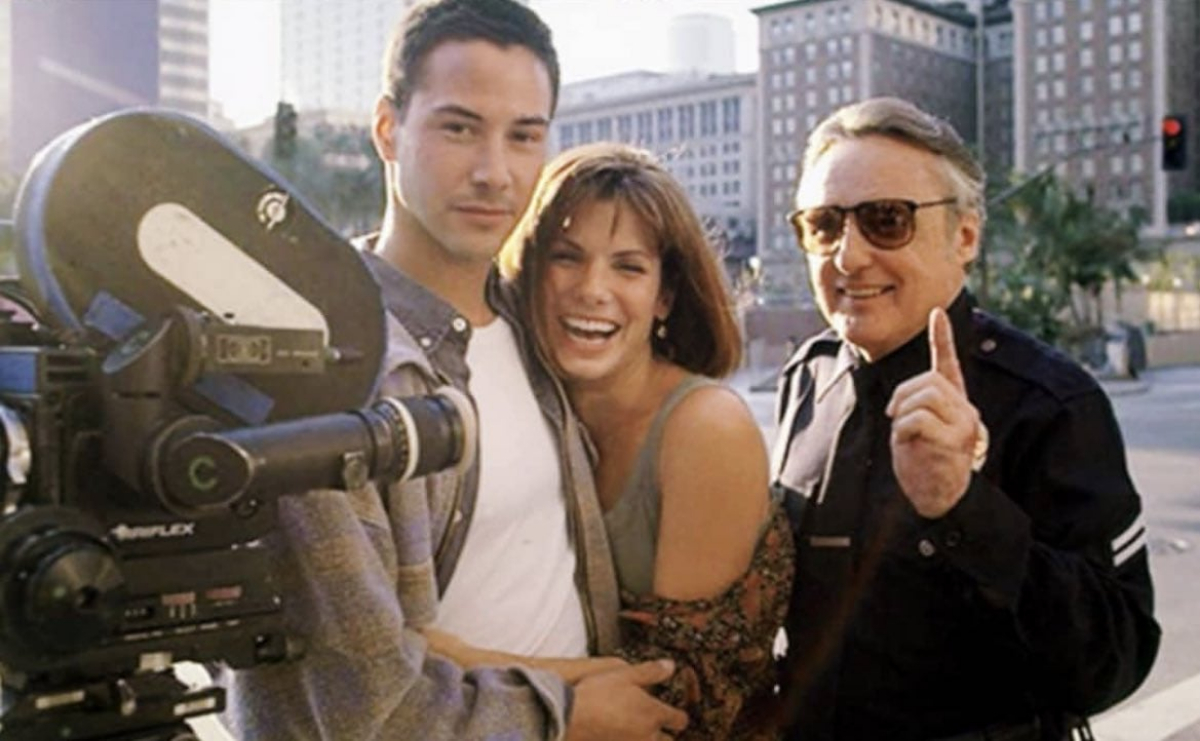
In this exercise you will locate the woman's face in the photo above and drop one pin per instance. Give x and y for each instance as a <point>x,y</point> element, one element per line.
<point>600,293</point>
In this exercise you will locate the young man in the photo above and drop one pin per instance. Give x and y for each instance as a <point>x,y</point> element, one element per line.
<point>510,555</point>
<point>971,560</point>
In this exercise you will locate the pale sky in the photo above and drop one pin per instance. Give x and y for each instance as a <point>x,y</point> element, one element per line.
<point>593,37</point>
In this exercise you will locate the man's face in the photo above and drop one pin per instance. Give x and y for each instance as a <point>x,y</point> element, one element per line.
<point>467,149</point>
<point>878,300</point>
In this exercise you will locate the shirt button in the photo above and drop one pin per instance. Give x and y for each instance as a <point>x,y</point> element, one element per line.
<point>953,538</point>
<point>926,547</point>
<point>458,516</point>
<point>988,345</point>
<point>425,342</point>
<point>459,324</point>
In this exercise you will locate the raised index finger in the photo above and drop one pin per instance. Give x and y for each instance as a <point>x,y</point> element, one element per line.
<point>942,356</point>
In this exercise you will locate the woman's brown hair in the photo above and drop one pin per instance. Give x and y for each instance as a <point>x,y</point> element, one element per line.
<point>702,333</point>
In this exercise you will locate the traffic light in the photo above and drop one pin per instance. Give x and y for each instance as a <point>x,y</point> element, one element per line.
<point>285,130</point>
<point>1174,143</point>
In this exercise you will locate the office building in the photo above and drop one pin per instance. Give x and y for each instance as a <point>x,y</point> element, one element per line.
<point>701,42</point>
<point>704,127</point>
<point>66,61</point>
<point>331,52</point>
<point>1090,88</point>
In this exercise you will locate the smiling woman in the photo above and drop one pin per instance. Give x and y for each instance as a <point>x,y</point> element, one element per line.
<point>629,307</point>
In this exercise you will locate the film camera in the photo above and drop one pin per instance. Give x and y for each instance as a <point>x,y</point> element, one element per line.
<point>195,337</point>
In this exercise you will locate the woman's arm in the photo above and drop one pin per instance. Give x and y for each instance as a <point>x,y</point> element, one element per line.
<point>470,657</point>
<point>722,580</point>
<point>713,479</point>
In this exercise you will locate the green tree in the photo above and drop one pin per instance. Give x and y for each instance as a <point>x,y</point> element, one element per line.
<point>1183,207</point>
<point>1052,251</point>
<point>335,168</point>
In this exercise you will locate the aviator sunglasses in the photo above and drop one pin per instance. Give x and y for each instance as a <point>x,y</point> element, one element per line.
<point>887,223</point>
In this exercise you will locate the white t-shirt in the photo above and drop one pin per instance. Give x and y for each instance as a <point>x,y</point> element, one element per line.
<point>513,589</point>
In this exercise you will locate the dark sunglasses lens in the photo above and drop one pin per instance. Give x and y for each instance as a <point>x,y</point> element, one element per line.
<point>821,228</point>
<point>887,224</point>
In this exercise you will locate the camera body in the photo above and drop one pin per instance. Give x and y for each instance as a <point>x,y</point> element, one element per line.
<point>99,577</point>
<point>201,344</point>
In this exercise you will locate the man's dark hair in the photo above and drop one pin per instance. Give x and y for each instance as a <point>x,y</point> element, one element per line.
<point>428,24</point>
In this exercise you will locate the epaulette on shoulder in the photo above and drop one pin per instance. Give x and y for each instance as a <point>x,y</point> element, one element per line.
<point>1000,345</point>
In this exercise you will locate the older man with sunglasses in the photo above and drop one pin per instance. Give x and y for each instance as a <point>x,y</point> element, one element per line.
<point>972,561</point>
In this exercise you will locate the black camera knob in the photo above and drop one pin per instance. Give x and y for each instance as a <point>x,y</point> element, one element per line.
<point>63,588</point>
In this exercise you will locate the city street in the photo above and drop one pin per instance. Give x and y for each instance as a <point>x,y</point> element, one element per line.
<point>1160,418</point>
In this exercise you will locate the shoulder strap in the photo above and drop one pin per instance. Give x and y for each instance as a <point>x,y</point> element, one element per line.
<point>646,466</point>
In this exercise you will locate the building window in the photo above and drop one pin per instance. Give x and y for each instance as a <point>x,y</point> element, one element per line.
<point>1116,53</point>
<point>625,127</point>
<point>731,114</point>
<point>586,136</point>
<point>566,135</point>
<point>1115,81</point>
<point>1116,25</point>
<point>1135,22</point>
<point>687,121</point>
<point>604,129</point>
<point>1059,35</point>
<point>645,127</point>
<point>1135,51</point>
<point>1085,31</point>
<point>1085,58</point>
<point>665,125</point>
<point>708,118</point>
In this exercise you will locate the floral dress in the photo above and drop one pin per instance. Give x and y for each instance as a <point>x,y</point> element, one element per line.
<point>722,646</point>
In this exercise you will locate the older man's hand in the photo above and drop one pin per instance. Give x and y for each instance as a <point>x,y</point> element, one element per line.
<point>935,428</point>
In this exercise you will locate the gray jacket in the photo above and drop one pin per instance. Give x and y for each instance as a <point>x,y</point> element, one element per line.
<point>360,570</point>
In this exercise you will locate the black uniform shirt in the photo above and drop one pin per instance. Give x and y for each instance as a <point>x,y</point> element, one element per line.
<point>1031,598</point>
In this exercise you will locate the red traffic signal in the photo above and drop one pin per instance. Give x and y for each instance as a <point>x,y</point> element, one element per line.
<point>1174,143</point>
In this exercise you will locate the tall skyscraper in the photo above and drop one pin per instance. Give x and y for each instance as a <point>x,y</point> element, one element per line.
<point>1090,86</point>
<point>701,42</point>
<point>65,61</point>
<point>332,51</point>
